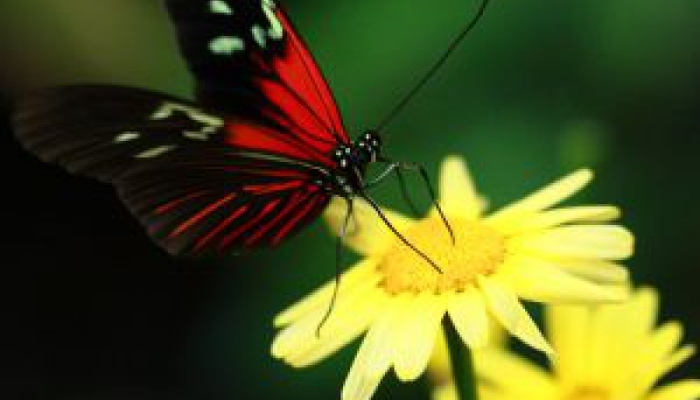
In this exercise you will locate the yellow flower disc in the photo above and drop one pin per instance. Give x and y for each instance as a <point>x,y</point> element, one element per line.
<point>588,393</point>
<point>479,251</point>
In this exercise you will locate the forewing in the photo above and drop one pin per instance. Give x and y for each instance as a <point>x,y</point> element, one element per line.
<point>249,60</point>
<point>173,166</point>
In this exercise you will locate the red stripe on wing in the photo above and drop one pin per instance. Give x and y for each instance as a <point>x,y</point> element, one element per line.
<point>251,223</point>
<point>248,136</point>
<point>295,220</point>
<point>201,243</point>
<point>272,187</point>
<point>200,215</point>
<point>289,173</point>
<point>284,213</point>
<point>171,205</point>
<point>299,70</point>
<point>296,115</point>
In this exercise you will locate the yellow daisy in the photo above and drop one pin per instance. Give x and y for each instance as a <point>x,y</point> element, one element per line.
<point>525,251</point>
<point>612,352</point>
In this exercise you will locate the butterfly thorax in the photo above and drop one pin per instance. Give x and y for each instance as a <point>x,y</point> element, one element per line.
<point>352,161</point>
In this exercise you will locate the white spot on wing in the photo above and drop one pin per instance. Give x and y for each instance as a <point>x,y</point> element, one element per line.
<point>126,137</point>
<point>163,112</point>
<point>201,136</point>
<point>260,35</point>
<point>220,7</point>
<point>167,109</point>
<point>155,152</point>
<point>276,31</point>
<point>226,45</point>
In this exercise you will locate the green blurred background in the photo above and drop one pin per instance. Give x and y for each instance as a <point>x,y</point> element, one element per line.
<point>540,88</point>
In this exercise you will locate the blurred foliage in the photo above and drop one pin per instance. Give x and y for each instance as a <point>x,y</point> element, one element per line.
<point>541,87</point>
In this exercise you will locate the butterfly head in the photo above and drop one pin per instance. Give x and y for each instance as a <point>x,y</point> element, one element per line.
<point>365,150</point>
<point>352,161</point>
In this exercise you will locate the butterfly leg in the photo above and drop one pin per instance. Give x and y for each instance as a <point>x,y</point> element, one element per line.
<point>404,192</point>
<point>398,234</point>
<point>399,168</point>
<point>394,168</point>
<point>354,226</point>
<point>413,167</point>
<point>349,215</point>
<point>382,177</point>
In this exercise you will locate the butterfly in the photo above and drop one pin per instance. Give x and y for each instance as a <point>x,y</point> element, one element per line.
<point>254,159</point>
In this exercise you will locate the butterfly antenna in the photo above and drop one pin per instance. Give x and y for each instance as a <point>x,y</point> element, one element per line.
<point>398,234</point>
<point>338,266</point>
<point>435,68</point>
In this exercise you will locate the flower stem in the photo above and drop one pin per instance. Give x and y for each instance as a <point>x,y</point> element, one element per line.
<point>462,366</point>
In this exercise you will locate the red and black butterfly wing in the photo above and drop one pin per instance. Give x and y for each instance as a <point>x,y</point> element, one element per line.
<point>249,60</point>
<point>239,169</point>
<point>173,166</point>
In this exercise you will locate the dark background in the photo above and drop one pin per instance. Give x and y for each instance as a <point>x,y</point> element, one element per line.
<point>95,311</point>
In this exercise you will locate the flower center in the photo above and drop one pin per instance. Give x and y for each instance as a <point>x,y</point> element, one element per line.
<point>588,393</point>
<point>479,250</point>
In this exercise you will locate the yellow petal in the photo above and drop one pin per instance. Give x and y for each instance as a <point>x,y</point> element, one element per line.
<point>567,328</point>
<point>547,219</point>
<point>603,272</point>
<point>607,242</point>
<point>349,314</point>
<point>665,339</point>
<point>507,309</point>
<point>677,358</point>
<point>458,196</point>
<point>445,392</point>
<point>615,346</point>
<point>381,337</point>
<point>546,197</point>
<point>645,307</point>
<point>367,233</point>
<point>539,280</point>
<point>468,313</point>
<point>415,339</point>
<point>683,390</point>
<point>620,335</point>
<point>512,377</point>
<point>373,359</point>
<point>659,355</point>
<point>440,366</point>
<point>359,386</point>
<point>360,277</point>
<point>347,322</point>
<point>615,336</point>
<point>488,392</point>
